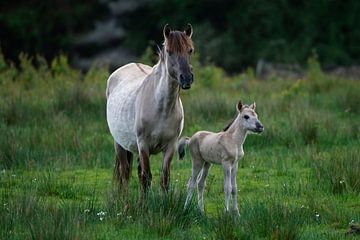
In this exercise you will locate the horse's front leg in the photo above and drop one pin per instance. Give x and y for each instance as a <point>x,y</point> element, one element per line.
<point>227,182</point>
<point>234,188</point>
<point>144,163</point>
<point>168,154</point>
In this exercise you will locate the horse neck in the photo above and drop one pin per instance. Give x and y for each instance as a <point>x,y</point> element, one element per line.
<point>237,132</point>
<point>166,88</point>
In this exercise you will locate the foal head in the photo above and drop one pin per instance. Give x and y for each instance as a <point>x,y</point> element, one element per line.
<point>178,48</point>
<point>248,118</point>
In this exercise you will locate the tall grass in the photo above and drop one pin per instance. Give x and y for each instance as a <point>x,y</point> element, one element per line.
<point>338,170</point>
<point>298,180</point>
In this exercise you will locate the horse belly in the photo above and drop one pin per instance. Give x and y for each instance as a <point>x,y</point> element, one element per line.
<point>121,116</point>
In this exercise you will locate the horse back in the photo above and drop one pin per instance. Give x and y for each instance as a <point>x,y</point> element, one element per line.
<point>128,72</point>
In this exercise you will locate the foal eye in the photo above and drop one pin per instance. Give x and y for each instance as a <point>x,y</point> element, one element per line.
<point>246,117</point>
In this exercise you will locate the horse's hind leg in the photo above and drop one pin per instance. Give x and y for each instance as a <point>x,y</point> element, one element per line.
<point>123,163</point>
<point>201,185</point>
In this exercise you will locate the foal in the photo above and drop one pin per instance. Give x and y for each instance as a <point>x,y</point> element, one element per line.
<point>225,148</point>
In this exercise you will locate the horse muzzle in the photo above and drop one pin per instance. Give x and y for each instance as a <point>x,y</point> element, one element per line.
<point>186,81</point>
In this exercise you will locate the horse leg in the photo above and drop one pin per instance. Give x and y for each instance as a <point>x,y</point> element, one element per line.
<point>227,183</point>
<point>201,185</point>
<point>123,162</point>
<point>145,176</point>
<point>165,177</point>
<point>197,164</point>
<point>234,188</point>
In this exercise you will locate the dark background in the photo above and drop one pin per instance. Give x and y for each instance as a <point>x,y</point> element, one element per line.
<point>231,34</point>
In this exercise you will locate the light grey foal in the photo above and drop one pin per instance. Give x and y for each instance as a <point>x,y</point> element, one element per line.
<point>225,148</point>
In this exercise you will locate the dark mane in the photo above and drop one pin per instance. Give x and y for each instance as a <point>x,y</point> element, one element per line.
<point>230,122</point>
<point>233,119</point>
<point>178,42</point>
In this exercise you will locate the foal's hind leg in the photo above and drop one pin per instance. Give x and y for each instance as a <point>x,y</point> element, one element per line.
<point>123,163</point>
<point>197,164</point>
<point>201,185</point>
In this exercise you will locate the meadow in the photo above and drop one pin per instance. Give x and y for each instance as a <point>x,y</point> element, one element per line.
<point>300,179</point>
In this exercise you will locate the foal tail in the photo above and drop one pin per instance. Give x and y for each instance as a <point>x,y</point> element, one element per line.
<point>181,147</point>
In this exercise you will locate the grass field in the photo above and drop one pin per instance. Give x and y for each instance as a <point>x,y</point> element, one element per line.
<point>299,180</point>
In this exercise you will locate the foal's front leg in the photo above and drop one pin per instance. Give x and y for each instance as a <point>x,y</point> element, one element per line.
<point>227,182</point>
<point>234,188</point>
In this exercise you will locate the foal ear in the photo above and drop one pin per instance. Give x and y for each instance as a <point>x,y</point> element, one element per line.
<point>188,30</point>
<point>239,106</point>
<point>253,106</point>
<point>166,31</point>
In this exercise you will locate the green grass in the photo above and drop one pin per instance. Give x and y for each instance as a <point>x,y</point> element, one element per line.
<point>298,180</point>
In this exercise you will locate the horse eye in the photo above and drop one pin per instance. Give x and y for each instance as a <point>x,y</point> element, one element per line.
<point>191,51</point>
<point>246,117</point>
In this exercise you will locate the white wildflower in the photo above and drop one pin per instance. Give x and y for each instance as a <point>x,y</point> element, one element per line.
<point>86,210</point>
<point>101,213</point>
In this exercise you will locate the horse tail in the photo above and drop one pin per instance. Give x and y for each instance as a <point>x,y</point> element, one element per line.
<point>181,147</point>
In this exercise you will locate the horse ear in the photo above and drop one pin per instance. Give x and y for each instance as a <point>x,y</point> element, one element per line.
<point>239,106</point>
<point>166,31</point>
<point>188,30</point>
<point>253,106</point>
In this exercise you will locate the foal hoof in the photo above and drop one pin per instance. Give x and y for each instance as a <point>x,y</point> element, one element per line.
<point>236,212</point>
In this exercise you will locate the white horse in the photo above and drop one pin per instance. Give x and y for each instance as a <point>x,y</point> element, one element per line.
<point>144,111</point>
<point>225,148</point>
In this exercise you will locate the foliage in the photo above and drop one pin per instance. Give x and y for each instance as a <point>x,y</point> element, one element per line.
<point>234,35</point>
<point>239,33</point>
<point>45,27</point>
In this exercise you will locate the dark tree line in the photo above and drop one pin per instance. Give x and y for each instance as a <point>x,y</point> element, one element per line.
<point>232,34</point>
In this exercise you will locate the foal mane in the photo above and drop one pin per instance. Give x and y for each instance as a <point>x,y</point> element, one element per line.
<point>233,119</point>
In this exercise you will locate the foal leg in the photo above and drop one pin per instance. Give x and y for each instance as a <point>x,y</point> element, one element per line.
<point>197,164</point>
<point>201,185</point>
<point>227,182</point>
<point>165,177</point>
<point>234,188</point>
